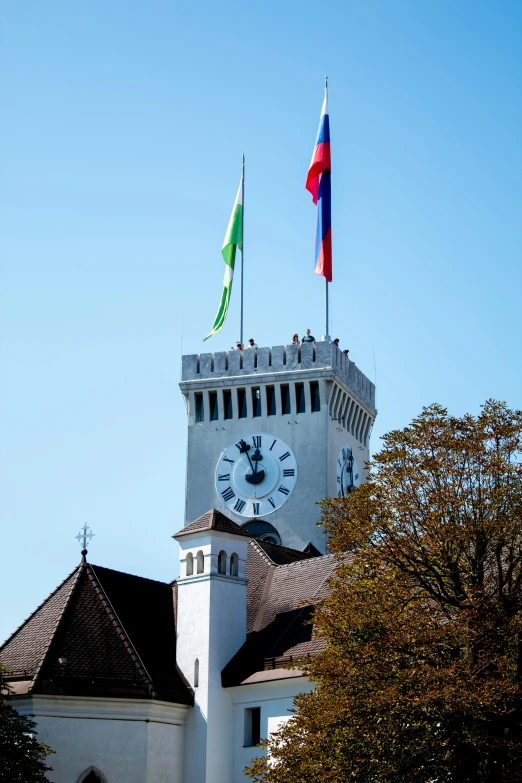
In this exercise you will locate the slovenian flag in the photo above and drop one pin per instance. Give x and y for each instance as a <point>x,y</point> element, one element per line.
<point>319,185</point>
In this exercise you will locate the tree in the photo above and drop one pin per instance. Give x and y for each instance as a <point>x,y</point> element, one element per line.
<point>22,757</point>
<point>421,676</point>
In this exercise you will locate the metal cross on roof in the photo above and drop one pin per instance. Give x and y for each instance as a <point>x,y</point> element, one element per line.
<point>84,536</point>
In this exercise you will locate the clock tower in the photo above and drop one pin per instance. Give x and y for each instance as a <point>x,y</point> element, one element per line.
<point>271,432</point>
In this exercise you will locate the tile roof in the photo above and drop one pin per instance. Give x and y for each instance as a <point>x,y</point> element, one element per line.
<point>115,631</point>
<point>212,520</point>
<point>280,605</point>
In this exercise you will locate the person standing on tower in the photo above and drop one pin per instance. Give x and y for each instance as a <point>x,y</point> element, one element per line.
<point>308,338</point>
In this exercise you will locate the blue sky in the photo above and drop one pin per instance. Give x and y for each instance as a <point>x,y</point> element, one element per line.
<point>122,133</point>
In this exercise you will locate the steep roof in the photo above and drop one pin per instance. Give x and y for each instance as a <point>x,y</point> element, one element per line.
<point>280,606</point>
<point>212,520</point>
<point>101,633</point>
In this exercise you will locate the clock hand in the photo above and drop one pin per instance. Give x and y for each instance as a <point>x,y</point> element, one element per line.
<point>245,448</point>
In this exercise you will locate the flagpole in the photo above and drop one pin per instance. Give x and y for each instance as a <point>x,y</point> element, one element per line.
<point>326,302</point>
<point>242,249</point>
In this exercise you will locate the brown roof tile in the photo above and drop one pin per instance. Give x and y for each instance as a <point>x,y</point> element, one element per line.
<point>212,520</point>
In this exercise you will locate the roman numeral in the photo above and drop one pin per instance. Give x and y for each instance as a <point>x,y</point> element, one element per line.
<point>356,477</point>
<point>256,439</point>
<point>271,501</point>
<point>239,445</point>
<point>256,508</point>
<point>223,476</point>
<point>289,472</point>
<point>228,494</point>
<point>338,479</point>
<point>273,444</point>
<point>226,459</point>
<point>339,494</point>
<point>284,456</point>
<point>240,505</point>
<point>284,490</point>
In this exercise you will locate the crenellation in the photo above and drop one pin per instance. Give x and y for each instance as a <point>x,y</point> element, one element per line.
<point>280,358</point>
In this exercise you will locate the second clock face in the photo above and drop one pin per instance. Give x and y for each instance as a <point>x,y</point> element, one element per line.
<point>348,475</point>
<point>256,475</point>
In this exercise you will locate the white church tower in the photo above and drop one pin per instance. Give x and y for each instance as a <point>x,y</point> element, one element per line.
<point>272,431</point>
<point>210,629</point>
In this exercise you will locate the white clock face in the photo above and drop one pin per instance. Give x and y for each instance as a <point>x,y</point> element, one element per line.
<point>348,474</point>
<point>256,475</point>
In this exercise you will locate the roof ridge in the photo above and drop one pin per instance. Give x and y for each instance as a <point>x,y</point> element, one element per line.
<point>261,551</point>
<point>125,636</point>
<point>24,622</point>
<point>67,601</point>
<point>305,561</point>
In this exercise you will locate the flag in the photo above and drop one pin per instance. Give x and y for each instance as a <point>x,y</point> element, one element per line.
<point>233,240</point>
<point>319,185</point>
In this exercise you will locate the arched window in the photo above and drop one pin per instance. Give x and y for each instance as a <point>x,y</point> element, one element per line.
<point>190,564</point>
<point>222,562</point>
<point>196,673</point>
<point>92,775</point>
<point>200,563</point>
<point>234,564</point>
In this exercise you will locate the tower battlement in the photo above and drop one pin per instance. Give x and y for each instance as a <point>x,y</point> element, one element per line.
<point>278,359</point>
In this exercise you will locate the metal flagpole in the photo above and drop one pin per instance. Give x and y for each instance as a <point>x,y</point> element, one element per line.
<point>326,333</point>
<point>242,247</point>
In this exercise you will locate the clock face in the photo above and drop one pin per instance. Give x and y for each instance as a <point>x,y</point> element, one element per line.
<point>348,475</point>
<point>256,475</point>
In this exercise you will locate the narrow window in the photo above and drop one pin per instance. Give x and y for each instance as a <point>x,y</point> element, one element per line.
<point>200,411</point>
<point>200,563</point>
<point>213,404</point>
<point>314,394</point>
<point>256,401</point>
<point>285,399</point>
<point>227,403</point>
<point>190,564</point>
<point>222,562</point>
<point>234,564</point>
<point>300,398</point>
<point>241,403</point>
<point>252,726</point>
<point>270,401</point>
<point>196,673</point>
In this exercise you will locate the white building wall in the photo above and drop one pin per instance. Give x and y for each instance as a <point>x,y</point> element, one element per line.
<point>128,740</point>
<point>276,699</point>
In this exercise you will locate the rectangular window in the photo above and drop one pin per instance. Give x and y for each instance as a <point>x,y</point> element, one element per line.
<point>213,404</point>
<point>241,404</point>
<point>227,404</point>
<point>300,398</point>
<point>252,726</point>
<point>200,411</point>
<point>285,399</point>
<point>256,401</point>
<point>314,394</point>
<point>270,401</point>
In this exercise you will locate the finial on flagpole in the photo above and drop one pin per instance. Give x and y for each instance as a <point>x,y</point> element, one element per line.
<point>326,83</point>
<point>84,536</point>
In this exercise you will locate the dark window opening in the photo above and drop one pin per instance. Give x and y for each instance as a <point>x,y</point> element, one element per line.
<point>200,411</point>
<point>316,398</point>
<point>252,726</point>
<point>300,398</point>
<point>256,401</point>
<point>270,401</point>
<point>241,404</point>
<point>213,404</point>
<point>227,404</point>
<point>285,399</point>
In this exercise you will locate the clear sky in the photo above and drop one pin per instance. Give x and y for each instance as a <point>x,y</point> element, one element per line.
<point>123,125</point>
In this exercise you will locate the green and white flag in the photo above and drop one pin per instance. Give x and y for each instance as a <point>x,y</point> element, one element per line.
<point>233,240</point>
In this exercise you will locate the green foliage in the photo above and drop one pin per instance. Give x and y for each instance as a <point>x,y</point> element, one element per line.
<point>22,757</point>
<point>421,677</point>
